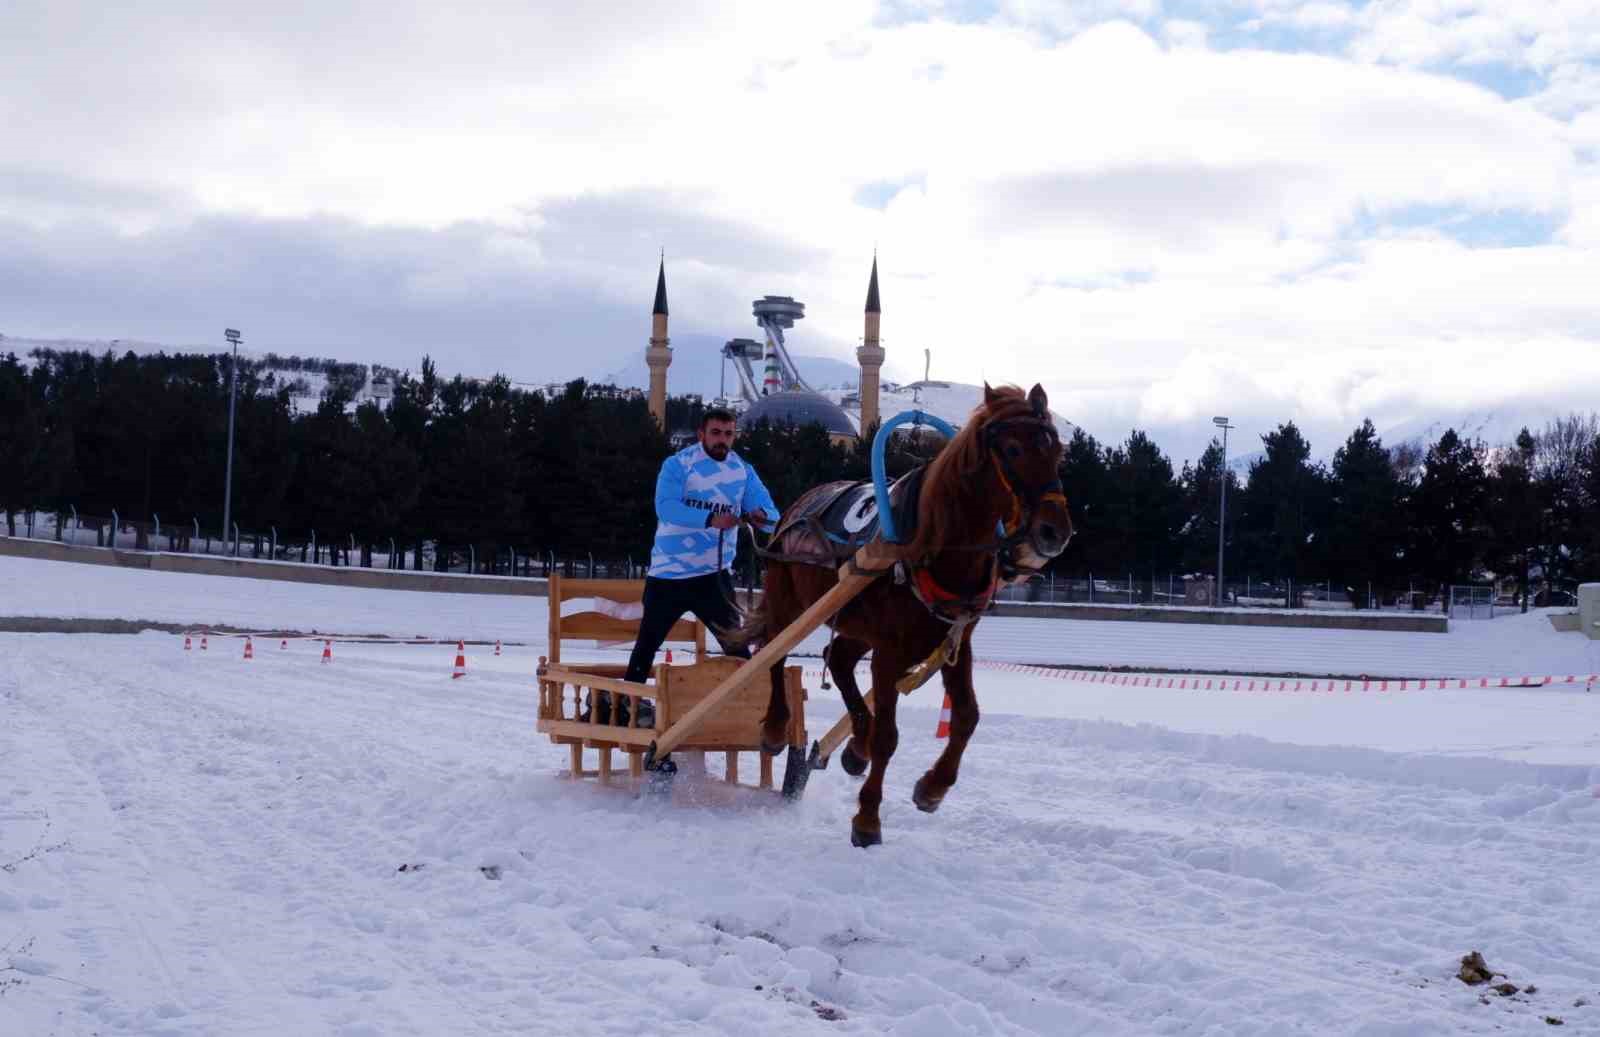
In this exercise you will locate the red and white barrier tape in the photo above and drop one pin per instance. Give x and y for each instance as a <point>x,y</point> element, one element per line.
<point>1180,682</point>
<point>1200,682</point>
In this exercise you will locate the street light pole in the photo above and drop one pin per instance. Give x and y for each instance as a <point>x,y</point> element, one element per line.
<point>1222,510</point>
<point>233,383</point>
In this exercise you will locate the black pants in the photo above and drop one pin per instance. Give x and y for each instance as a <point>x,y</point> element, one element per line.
<point>709,597</point>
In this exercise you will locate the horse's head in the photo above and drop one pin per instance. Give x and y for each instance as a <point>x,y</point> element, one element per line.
<point>1026,453</point>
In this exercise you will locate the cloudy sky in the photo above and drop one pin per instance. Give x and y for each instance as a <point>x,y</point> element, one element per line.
<point>1160,209</point>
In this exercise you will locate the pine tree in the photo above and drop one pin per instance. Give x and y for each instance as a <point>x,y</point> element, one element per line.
<point>1366,529</point>
<point>1087,484</point>
<point>1144,509</point>
<point>1448,511</point>
<point>1514,515</point>
<point>1202,504</point>
<point>1282,524</point>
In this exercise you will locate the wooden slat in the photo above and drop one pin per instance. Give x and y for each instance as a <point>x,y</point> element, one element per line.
<point>554,590</point>
<point>766,770</point>
<point>851,583</point>
<point>616,684</point>
<point>732,767</point>
<point>624,591</point>
<point>584,732</point>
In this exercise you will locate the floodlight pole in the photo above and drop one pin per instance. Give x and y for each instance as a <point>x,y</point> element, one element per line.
<point>233,383</point>
<point>1222,510</point>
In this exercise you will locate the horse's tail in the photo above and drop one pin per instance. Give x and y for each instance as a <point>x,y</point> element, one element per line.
<point>751,628</point>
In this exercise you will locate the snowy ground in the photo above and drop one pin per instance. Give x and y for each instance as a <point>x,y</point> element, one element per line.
<point>1506,646</point>
<point>195,844</point>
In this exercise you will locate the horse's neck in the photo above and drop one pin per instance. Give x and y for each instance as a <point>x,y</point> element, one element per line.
<point>955,564</point>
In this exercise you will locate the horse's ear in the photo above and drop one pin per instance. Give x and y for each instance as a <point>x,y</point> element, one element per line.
<point>1036,397</point>
<point>989,395</point>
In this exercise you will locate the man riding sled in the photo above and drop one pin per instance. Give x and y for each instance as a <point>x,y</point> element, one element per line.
<point>702,492</point>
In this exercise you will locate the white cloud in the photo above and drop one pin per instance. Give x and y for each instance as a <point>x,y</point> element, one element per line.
<point>1538,35</point>
<point>1139,221</point>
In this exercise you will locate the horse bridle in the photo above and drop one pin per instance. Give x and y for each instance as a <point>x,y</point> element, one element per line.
<point>1026,502</point>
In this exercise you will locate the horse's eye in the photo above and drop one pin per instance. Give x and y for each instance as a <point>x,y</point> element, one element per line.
<point>1013,451</point>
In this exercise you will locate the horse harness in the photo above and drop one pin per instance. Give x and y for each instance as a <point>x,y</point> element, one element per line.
<point>961,611</point>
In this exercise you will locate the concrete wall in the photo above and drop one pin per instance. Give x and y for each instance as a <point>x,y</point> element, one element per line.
<point>386,579</point>
<point>1589,609</point>
<point>291,572</point>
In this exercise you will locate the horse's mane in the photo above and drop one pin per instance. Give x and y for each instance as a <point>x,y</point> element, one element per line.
<point>953,468</point>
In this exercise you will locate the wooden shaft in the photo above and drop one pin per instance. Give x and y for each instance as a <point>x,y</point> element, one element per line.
<point>840,731</point>
<point>851,583</point>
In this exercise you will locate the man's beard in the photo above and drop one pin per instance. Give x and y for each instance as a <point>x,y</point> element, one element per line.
<point>719,452</point>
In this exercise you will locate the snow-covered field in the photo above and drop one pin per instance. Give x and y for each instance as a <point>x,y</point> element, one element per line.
<point>195,844</point>
<point>1507,646</point>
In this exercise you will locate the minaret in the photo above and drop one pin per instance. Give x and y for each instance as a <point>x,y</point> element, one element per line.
<point>659,356</point>
<point>870,354</point>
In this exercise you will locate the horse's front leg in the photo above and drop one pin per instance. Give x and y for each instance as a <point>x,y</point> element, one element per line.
<point>930,789</point>
<point>865,828</point>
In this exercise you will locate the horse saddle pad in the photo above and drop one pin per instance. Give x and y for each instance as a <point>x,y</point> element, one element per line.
<point>833,520</point>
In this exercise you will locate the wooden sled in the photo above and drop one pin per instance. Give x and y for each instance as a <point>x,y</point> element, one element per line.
<point>609,611</point>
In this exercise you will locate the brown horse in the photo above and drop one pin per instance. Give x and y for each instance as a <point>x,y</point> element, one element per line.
<point>991,509</point>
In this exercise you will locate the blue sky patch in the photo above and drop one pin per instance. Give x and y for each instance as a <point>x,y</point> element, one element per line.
<point>878,194</point>
<point>1501,228</point>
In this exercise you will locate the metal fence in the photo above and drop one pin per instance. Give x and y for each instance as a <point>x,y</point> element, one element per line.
<point>156,534</point>
<point>1198,591</point>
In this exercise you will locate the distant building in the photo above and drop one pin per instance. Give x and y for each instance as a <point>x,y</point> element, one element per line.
<point>801,408</point>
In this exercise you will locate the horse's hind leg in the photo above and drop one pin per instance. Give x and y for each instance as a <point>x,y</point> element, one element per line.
<point>843,656</point>
<point>775,725</point>
<point>780,608</point>
<point>931,788</point>
<point>865,828</point>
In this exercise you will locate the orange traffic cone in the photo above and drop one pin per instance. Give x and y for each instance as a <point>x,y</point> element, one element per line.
<point>461,661</point>
<point>497,646</point>
<point>327,651</point>
<point>203,643</point>
<point>186,643</point>
<point>249,650</point>
<point>943,730</point>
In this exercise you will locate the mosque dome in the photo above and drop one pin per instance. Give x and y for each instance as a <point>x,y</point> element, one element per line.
<point>798,408</point>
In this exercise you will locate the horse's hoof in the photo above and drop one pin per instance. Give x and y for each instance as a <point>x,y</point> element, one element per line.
<point>919,795</point>
<point>863,838</point>
<point>853,765</point>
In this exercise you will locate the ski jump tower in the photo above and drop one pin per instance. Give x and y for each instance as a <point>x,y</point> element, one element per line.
<point>773,313</point>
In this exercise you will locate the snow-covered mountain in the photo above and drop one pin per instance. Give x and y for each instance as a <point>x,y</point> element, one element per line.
<point>697,369</point>
<point>953,402</point>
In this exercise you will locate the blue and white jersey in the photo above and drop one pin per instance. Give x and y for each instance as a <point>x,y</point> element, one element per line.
<point>691,488</point>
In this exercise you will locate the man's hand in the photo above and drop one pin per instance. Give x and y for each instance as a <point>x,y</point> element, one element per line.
<point>757,517</point>
<point>723,520</point>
